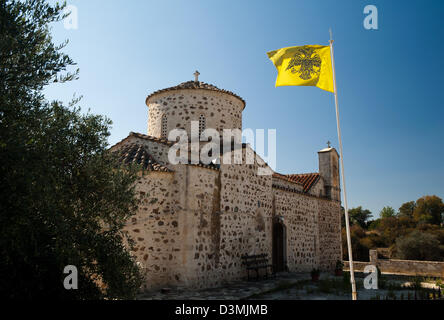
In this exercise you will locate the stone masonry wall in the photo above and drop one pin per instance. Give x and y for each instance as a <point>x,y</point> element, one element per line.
<point>194,225</point>
<point>400,267</point>
<point>246,206</point>
<point>330,242</point>
<point>154,228</point>
<point>229,216</point>
<point>300,213</point>
<point>313,230</point>
<point>221,111</point>
<point>318,189</point>
<point>283,183</point>
<point>200,225</point>
<point>412,268</point>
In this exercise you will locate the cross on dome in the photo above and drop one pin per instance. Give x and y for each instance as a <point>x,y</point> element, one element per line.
<point>196,76</point>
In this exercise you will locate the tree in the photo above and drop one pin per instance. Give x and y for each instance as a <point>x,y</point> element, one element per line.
<point>359,216</point>
<point>359,250</point>
<point>64,202</point>
<point>387,212</point>
<point>391,228</point>
<point>418,246</point>
<point>437,231</point>
<point>406,210</point>
<point>373,224</point>
<point>429,209</point>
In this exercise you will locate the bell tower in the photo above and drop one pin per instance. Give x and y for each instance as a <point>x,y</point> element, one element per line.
<point>329,171</point>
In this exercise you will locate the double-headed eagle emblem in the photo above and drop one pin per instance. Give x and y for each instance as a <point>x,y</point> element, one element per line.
<point>306,62</point>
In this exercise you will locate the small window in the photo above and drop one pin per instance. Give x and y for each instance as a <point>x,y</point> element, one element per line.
<point>202,124</point>
<point>164,127</point>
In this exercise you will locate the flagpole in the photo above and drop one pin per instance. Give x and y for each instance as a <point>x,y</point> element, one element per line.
<point>347,225</point>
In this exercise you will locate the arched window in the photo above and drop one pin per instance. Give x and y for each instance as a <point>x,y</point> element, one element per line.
<point>164,127</point>
<point>202,124</point>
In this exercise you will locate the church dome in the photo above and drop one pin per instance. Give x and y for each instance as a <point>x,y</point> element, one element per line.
<point>193,101</point>
<point>195,85</point>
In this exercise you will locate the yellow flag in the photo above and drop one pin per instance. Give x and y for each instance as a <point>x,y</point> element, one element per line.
<point>303,66</point>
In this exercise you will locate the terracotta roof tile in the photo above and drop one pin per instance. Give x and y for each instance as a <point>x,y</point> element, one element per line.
<point>137,154</point>
<point>308,180</point>
<point>285,177</point>
<point>195,85</point>
<point>151,138</point>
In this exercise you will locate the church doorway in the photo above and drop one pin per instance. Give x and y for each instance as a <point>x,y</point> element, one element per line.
<point>279,245</point>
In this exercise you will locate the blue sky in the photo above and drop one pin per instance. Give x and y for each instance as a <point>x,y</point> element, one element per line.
<point>390,80</point>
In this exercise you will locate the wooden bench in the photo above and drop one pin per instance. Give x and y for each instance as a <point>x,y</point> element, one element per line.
<point>256,263</point>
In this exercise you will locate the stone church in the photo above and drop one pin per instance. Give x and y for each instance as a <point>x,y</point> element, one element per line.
<point>196,221</point>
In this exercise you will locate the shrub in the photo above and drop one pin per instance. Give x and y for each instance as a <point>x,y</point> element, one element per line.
<point>359,249</point>
<point>418,246</point>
